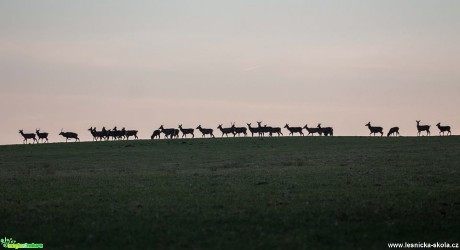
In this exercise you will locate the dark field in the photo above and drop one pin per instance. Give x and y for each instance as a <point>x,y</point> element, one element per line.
<point>243,193</point>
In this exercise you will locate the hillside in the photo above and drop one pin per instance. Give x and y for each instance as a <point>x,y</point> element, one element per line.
<point>236,193</point>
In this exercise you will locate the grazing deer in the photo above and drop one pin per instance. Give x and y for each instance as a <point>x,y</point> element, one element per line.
<point>205,131</point>
<point>326,130</point>
<point>155,134</point>
<point>443,129</point>
<point>421,128</point>
<point>374,130</point>
<point>393,130</point>
<point>293,130</point>
<point>312,131</point>
<point>239,130</point>
<point>27,136</point>
<point>129,133</point>
<point>69,135</point>
<point>42,136</point>
<point>253,130</point>
<point>168,132</point>
<point>226,131</point>
<point>186,131</point>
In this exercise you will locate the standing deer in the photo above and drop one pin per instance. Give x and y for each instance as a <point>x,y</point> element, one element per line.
<point>168,132</point>
<point>226,131</point>
<point>239,130</point>
<point>264,129</point>
<point>443,129</point>
<point>421,128</point>
<point>27,136</point>
<point>312,131</point>
<point>393,130</point>
<point>293,130</point>
<point>374,130</point>
<point>206,131</point>
<point>129,133</point>
<point>253,130</point>
<point>42,136</point>
<point>69,135</point>
<point>97,134</point>
<point>326,130</point>
<point>186,131</point>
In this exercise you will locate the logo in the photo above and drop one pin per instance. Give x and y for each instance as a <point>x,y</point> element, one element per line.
<point>10,243</point>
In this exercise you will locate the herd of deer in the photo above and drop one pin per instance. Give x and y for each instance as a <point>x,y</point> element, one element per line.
<point>420,129</point>
<point>233,130</point>
<point>260,130</point>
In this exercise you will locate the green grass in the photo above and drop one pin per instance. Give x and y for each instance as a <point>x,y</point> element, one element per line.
<point>242,193</point>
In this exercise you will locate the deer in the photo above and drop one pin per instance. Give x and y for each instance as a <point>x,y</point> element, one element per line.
<point>69,135</point>
<point>97,134</point>
<point>293,130</point>
<point>374,130</point>
<point>28,136</point>
<point>264,129</point>
<point>129,133</point>
<point>205,131</point>
<point>176,133</point>
<point>168,132</point>
<point>421,128</point>
<point>443,129</point>
<point>393,130</point>
<point>106,133</point>
<point>42,136</point>
<point>155,134</point>
<point>186,131</point>
<point>326,130</point>
<point>239,130</point>
<point>226,131</point>
<point>312,131</point>
<point>118,134</point>
<point>253,130</point>
<point>275,130</point>
<point>268,129</point>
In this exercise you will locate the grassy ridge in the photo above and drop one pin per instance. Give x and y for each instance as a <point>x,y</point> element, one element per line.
<point>285,193</point>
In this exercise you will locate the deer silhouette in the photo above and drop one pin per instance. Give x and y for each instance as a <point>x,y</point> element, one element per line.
<point>253,130</point>
<point>205,131</point>
<point>186,131</point>
<point>239,130</point>
<point>326,130</point>
<point>28,136</point>
<point>443,129</point>
<point>155,134</point>
<point>42,136</point>
<point>393,130</point>
<point>312,131</point>
<point>263,129</point>
<point>293,130</point>
<point>421,128</point>
<point>226,131</point>
<point>97,134</point>
<point>69,135</point>
<point>374,130</point>
<point>129,133</point>
<point>168,132</point>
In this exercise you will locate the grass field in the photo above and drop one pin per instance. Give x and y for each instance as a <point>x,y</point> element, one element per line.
<point>242,193</point>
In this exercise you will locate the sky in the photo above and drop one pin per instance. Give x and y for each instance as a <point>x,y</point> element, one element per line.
<point>141,64</point>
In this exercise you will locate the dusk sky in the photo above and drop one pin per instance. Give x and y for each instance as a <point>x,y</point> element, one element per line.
<point>141,64</point>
